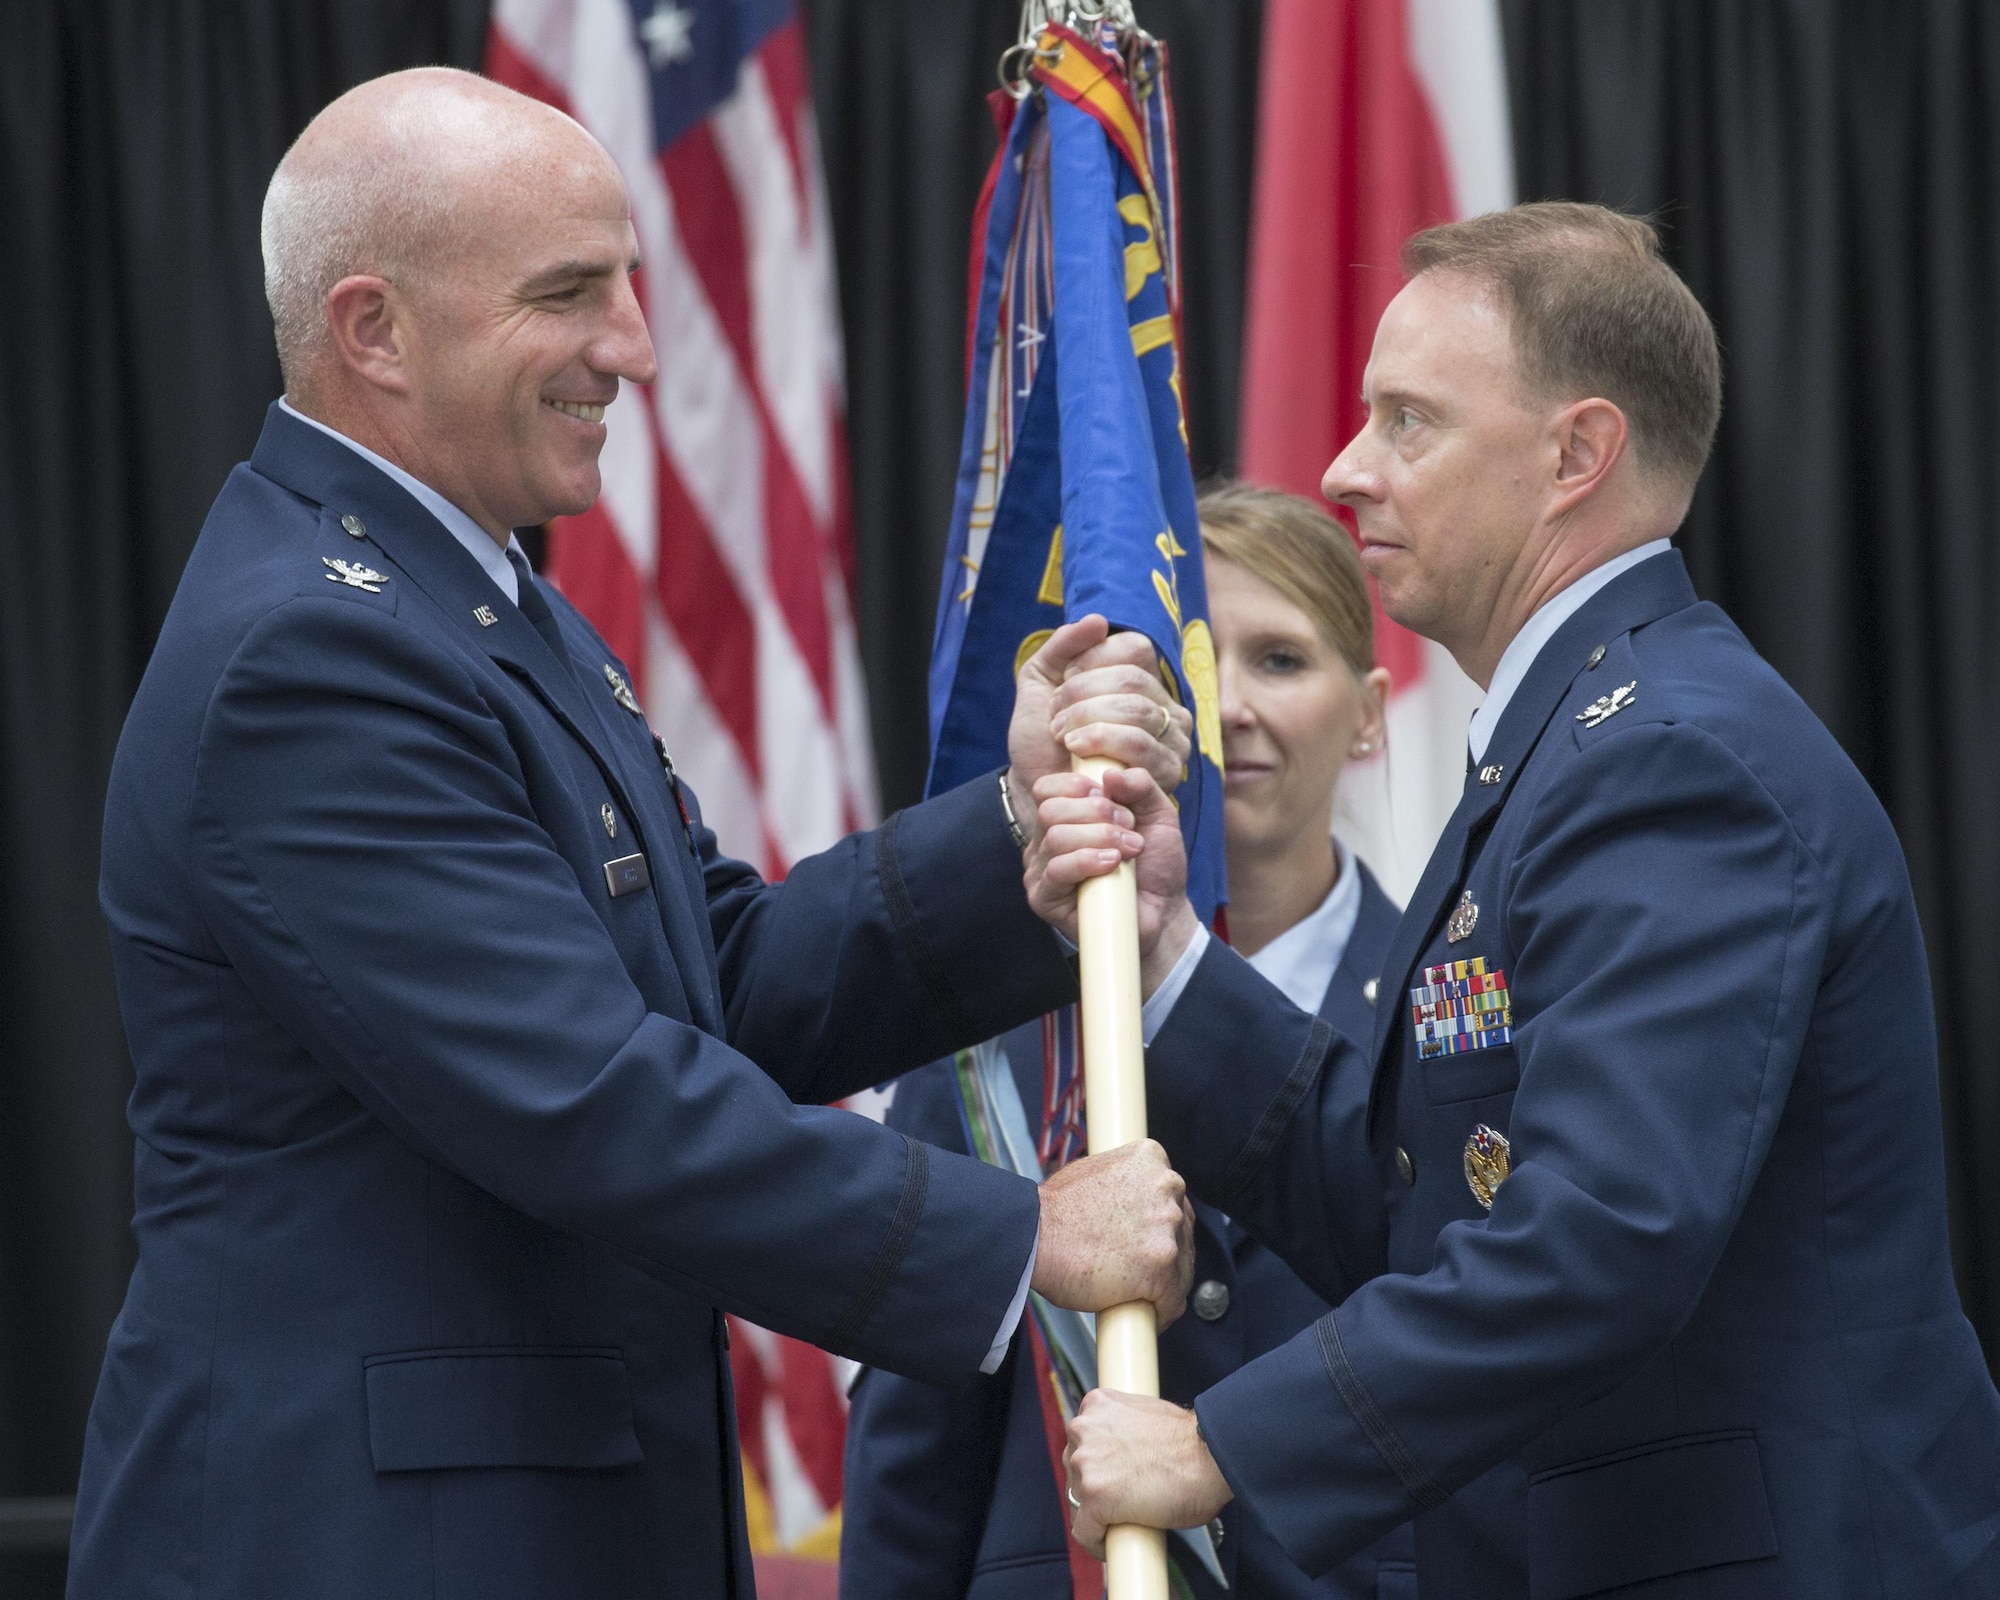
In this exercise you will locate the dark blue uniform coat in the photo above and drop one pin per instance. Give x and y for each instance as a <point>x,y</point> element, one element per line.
<point>1707,1342</point>
<point>950,1492</point>
<point>446,1157</point>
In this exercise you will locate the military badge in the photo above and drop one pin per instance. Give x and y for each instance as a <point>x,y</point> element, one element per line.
<point>1607,706</point>
<point>621,691</point>
<point>1460,1007</point>
<point>355,576</point>
<point>1488,1160</point>
<point>1464,918</point>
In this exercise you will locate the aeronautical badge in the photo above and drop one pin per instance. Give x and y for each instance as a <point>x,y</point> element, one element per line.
<point>354,575</point>
<point>1488,1160</point>
<point>621,691</point>
<point>1607,706</point>
<point>1464,918</point>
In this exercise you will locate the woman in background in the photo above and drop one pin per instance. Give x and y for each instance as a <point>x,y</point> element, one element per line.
<point>953,1491</point>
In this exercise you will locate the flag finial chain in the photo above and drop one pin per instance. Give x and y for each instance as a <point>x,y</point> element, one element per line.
<point>1110,23</point>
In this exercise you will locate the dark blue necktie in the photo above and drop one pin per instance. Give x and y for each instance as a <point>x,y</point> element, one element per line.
<point>536,609</point>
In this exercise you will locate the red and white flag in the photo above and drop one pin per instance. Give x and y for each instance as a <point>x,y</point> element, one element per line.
<point>717,561</point>
<point>1376,118</point>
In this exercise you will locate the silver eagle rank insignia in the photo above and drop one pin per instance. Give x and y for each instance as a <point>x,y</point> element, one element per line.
<point>354,575</point>
<point>1607,706</point>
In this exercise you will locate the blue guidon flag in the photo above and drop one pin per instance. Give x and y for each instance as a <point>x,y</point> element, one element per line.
<point>1074,490</point>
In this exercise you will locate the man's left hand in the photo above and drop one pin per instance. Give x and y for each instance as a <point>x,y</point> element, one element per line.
<point>1134,1460</point>
<point>1091,692</point>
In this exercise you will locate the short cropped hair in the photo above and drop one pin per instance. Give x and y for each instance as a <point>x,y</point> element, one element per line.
<point>1595,311</point>
<point>1296,547</point>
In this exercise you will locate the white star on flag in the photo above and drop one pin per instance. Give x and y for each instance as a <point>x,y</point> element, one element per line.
<point>668,33</point>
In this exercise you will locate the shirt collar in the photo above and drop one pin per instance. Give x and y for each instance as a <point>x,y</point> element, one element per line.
<point>477,541</point>
<point>1521,651</point>
<point>1302,960</point>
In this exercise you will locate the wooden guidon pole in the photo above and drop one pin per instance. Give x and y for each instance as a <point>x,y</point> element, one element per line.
<point>1114,1095</point>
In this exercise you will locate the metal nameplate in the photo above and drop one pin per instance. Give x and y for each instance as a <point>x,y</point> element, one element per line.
<point>626,875</point>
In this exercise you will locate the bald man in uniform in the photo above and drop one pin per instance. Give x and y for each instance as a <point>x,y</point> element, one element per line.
<point>474,1084</point>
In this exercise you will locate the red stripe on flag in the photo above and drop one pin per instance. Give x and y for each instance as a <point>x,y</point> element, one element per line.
<point>1349,165</point>
<point>712,234</point>
<point>814,1415</point>
<point>707,612</point>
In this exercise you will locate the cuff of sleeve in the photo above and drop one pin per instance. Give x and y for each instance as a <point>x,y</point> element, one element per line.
<point>1153,1015</point>
<point>1012,1321</point>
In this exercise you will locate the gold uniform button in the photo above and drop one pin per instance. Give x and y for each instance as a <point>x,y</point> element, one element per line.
<point>1405,1167</point>
<point>1211,1300</point>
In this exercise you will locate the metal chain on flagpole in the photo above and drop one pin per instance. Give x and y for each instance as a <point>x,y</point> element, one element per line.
<point>1086,17</point>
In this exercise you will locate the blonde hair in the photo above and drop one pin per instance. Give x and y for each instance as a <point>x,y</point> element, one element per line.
<point>1301,551</point>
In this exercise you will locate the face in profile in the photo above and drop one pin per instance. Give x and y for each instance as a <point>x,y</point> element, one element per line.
<point>520,340</point>
<point>1445,479</point>
<point>1292,710</point>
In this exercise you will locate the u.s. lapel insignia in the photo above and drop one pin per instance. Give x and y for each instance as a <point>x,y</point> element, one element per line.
<point>1464,918</point>
<point>485,616</point>
<point>1488,1160</point>
<point>621,691</point>
<point>1607,706</point>
<point>354,575</point>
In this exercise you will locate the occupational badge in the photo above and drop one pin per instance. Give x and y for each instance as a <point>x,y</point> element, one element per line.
<point>1607,706</point>
<point>1464,918</point>
<point>621,691</point>
<point>1460,1007</point>
<point>1488,1160</point>
<point>354,575</point>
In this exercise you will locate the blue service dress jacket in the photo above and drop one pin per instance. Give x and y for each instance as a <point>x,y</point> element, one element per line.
<point>470,1088</point>
<point>1706,1342</point>
<point>950,1493</point>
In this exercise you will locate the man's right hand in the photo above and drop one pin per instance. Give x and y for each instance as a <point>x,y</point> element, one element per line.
<point>1117,1227</point>
<point>1083,833</point>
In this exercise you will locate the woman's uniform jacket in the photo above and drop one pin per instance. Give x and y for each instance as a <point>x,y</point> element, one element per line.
<point>949,1491</point>
<point>471,1081</point>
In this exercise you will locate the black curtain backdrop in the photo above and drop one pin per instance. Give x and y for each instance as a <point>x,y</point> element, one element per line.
<point>1826,173</point>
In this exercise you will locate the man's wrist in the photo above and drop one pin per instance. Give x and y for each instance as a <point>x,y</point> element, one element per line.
<point>1181,927</point>
<point>1015,807</point>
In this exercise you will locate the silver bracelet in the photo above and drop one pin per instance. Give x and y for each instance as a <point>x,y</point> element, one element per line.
<point>1014,827</point>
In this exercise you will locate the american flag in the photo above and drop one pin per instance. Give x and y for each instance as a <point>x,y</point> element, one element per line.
<point>718,560</point>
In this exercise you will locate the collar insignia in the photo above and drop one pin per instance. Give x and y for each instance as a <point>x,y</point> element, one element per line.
<point>1608,706</point>
<point>354,575</point>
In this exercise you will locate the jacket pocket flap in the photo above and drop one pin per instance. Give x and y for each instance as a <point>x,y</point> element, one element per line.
<point>1676,1506</point>
<point>499,1408</point>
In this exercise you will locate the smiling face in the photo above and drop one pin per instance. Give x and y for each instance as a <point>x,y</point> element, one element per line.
<point>1293,711</point>
<point>518,343</point>
<point>1449,476</point>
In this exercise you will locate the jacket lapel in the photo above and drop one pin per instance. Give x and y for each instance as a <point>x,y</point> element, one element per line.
<point>1651,590</point>
<point>1346,1004</point>
<point>324,470</point>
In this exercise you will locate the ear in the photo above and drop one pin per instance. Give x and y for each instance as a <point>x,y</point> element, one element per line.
<point>1590,438</point>
<point>365,319</point>
<point>1371,731</point>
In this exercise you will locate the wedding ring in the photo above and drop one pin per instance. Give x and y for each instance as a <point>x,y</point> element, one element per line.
<point>1074,1503</point>
<point>1166,722</point>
